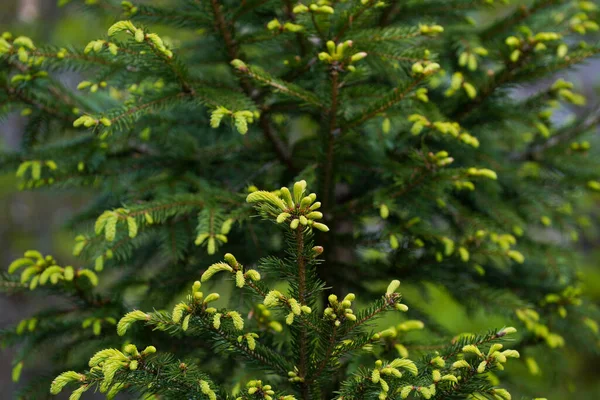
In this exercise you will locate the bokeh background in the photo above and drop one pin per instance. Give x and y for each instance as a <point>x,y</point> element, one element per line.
<point>39,219</point>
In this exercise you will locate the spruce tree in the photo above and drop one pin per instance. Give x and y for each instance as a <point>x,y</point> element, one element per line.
<point>424,164</point>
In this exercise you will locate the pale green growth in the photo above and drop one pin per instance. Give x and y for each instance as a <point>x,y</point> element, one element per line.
<point>272,298</point>
<point>438,362</point>
<point>211,246</point>
<point>211,297</point>
<point>375,376</point>
<point>267,197</point>
<point>239,64</point>
<point>282,217</point>
<point>299,9</point>
<point>299,189</point>
<point>253,275</point>
<point>76,395</point>
<point>205,388</point>
<point>16,371</point>
<point>321,9</point>
<point>217,116</point>
<point>186,322</point>
<point>196,286</point>
<point>460,364</point>
<point>24,41</point>
<point>406,364</point>
<point>384,211</point>
<point>511,353</point>
<point>406,391</point>
<point>238,321</point>
<point>484,172</point>
<point>226,227</point>
<point>286,195</point>
<point>240,281</point>
<point>274,24</point>
<point>19,263</point>
<point>594,185</point>
<point>65,378</point>
<point>321,227</point>
<point>294,306</point>
<point>106,354</point>
<point>502,394</point>
<point>201,238</point>
<point>115,389</point>
<point>516,256</point>
<point>130,318</point>
<point>464,254</point>
<point>450,378</point>
<point>121,26</point>
<point>430,30</point>
<point>92,277</point>
<point>156,41</point>
<point>242,119</point>
<point>392,287</point>
<point>69,273</point>
<point>472,349</point>
<point>213,269</point>
<point>290,318</point>
<point>217,320</point>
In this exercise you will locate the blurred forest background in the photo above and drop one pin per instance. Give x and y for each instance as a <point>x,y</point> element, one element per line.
<point>39,219</point>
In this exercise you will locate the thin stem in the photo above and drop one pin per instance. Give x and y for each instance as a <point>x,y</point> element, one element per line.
<point>327,356</point>
<point>232,51</point>
<point>317,28</point>
<point>299,38</point>
<point>303,364</point>
<point>329,155</point>
<point>351,19</point>
<point>397,99</point>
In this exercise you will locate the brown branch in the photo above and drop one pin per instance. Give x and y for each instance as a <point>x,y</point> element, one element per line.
<point>385,106</point>
<point>233,53</point>
<point>303,364</point>
<point>329,157</point>
<point>327,356</point>
<point>351,19</point>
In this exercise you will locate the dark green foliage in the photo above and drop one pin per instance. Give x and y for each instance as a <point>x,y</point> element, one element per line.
<point>431,165</point>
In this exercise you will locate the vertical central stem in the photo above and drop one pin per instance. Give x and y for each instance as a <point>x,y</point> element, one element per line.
<point>327,181</point>
<point>302,367</point>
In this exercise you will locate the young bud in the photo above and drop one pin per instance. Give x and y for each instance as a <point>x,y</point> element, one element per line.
<point>217,320</point>
<point>358,56</point>
<point>238,321</point>
<point>211,297</point>
<point>217,267</point>
<point>273,24</point>
<point>253,274</point>
<point>321,227</point>
<point>294,224</point>
<point>299,9</point>
<point>506,331</point>
<point>392,287</point>
<point>130,318</point>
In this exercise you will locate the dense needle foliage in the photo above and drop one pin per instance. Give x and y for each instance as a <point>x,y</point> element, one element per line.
<point>402,116</point>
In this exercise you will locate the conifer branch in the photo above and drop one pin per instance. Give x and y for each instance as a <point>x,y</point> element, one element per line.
<point>391,100</point>
<point>149,104</point>
<point>332,131</point>
<point>521,13</point>
<point>352,19</point>
<point>401,194</point>
<point>232,50</point>
<point>303,362</point>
